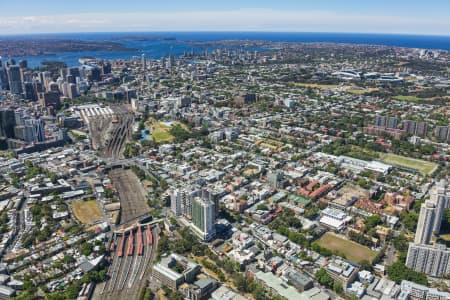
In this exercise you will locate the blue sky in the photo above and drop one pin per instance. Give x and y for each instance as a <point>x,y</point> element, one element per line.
<point>380,16</point>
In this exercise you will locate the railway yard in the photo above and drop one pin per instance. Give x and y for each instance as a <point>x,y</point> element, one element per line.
<point>133,201</point>
<point>109,128</point>
<point>132,248</point>
<point>132,251</point>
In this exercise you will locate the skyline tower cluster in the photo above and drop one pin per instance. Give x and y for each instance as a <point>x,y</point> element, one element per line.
<point>197,205</point>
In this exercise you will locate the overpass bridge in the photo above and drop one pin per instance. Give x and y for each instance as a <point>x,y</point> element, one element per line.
<point>128,163</point>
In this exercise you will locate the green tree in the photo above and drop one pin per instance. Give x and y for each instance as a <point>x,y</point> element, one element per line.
<point>337,287</point>
<point>323,278</point>
<point>398,272</point>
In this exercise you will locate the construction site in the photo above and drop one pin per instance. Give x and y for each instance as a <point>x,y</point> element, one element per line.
<point>132,250</point>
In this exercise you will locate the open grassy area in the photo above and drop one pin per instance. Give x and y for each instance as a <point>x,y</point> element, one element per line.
<point>424,167</point>
<point>410,98</point>
<point>317,86</point>
<point>249,172</point>
<point>352,251</point>
<point>372,153</point>
<point>358,92</point>
<point>87,212</point>
<point>160,132</point>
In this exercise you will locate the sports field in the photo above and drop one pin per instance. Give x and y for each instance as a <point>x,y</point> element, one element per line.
<point>352,251</point>
<point>424,167</point>
<point>87,212</point>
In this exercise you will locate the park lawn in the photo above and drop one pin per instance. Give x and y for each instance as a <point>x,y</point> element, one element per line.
<point>87,212</point>
<point>161,132</point>
<point>317,86</point>
<point>352,250</point>
<point>424,167</point>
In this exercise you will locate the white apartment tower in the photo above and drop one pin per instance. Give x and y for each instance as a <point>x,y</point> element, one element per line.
<point>425,224</point>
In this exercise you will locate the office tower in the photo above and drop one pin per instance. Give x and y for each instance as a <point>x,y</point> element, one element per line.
<point>70,79</point>
<point>144,61</point>
<point>7,123</point>
<point>27,76</point>
<point>46,78</point>
<point>94,74</point>
<point>10,62</point>
<point>380,121</point>
<point>24,133</point>
<point>72,91</point>
<point>60,82</point>
<point>64,86</point>
<point>38,87</point>
<point>29,91</point>
<point>203,218</point>
<point>63,72</point>
<point>1,74</point>
<point>37,128</point>
<point>15,80</point>
<point>53,87</point>
<point>170,61</point>
<point>50,99</point>
<point>23,64</point>
<point>425,223</point>
<point>106,68</point>
<point>19,116</point>
<point>74,72</point>
<point>392,122</point>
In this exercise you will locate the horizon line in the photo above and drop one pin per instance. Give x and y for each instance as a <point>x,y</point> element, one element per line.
<point>227,31</point>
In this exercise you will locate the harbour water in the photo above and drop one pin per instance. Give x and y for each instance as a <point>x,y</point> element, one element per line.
<point>159,44</point>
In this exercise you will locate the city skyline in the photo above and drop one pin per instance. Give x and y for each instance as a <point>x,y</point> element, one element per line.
<point>49,16</point>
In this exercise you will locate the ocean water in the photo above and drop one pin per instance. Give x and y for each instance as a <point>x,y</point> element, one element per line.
<point>161,47</point>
